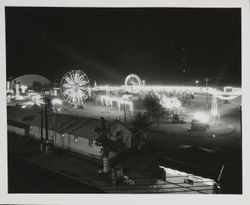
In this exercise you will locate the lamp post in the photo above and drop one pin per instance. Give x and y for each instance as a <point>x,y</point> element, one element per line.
<point>46,125</point>
<point>206,79</point>
<point>44,146</point>
<point>124,109</point>
<point>55,102</point>
<point>214,108</point>
<point>196,83</point>
<point>54,126</point>
<point>41,143</point>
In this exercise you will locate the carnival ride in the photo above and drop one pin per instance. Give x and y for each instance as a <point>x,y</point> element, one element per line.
<point>75,87</point>
<point>133,80</point>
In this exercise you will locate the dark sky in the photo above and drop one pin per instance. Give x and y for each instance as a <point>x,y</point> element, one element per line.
<point>161,45</point>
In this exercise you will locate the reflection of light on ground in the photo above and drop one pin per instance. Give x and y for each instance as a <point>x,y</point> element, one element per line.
<point>202,117</point>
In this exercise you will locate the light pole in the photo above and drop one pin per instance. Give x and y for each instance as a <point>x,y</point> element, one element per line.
<point>46,125</point>
<point>55,102</point>
<point>206,79</point>
<point>196,83</point>
<point>124,109</point>
<point>54,126</point>
<point>41,143</point>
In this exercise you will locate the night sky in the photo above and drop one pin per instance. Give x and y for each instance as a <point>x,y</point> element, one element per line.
<point>161,45</point>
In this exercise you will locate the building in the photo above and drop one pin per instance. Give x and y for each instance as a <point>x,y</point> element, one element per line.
<point>29,79</point>
<point>117,130</point>
<point>72,133</point>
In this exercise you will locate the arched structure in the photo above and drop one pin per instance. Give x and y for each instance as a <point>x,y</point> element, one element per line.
<point>133,79</point>
<point>28,80</point>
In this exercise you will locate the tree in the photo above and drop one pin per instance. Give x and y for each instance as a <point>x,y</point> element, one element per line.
<point>28,119</point>
<point>154,108</point>
<point>37,86</point>
<point>45,87</point>
<point>141,121</point>
<point>107,145</point>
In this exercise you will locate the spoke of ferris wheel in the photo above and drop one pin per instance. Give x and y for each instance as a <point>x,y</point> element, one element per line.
<point>68,92</point>
<point>82,89</point>
<point>83,80</point>
<point>80,78</point>
<point>84,95</point>
<point>83,83</point>
<point>76,78</point>
<point>72,77</point>
<point>67,85</point>
<point>72,84</point>
<point>69,79</point>
<point>69,97</point>
<point>78,92</point>
<point>79,95</point>
<point>71,88</point>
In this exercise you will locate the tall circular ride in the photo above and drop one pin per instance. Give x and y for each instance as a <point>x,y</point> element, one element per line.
<point>133,79</point>
<point>75,87</point>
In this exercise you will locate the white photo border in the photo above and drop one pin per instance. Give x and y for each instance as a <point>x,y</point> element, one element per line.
<point>6,198</point>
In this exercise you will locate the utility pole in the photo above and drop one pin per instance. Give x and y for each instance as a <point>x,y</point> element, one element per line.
<point>41,145</point>
<point>46,125</point>
<point>124,109</point>
<point>206,90</point>
<point>54,125</point>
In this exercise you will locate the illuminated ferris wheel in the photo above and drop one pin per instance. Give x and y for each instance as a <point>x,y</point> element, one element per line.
<point>133,80</point>
<point>75,87</point>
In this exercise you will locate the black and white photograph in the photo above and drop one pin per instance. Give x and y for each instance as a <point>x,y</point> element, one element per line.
<point>124,100</point>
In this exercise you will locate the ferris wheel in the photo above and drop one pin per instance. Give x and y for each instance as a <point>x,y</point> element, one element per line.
<point>75,87</point>
<point>133,79</point>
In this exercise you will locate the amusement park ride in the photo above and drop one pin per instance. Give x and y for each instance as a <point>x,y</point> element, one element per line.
<point>75,89</point>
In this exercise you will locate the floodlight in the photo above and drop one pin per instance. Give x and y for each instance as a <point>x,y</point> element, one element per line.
<point>202,117</point>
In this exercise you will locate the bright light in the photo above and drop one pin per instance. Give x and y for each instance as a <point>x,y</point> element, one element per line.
<point>170,103</point>
<point>56,101</point>
<point>24,88</point>
<point>36,99</point>
<point>108,101</point>
<point>196,83</point>
<point>75,87</point>
<point>202,117</point>
<point>133,79</point>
